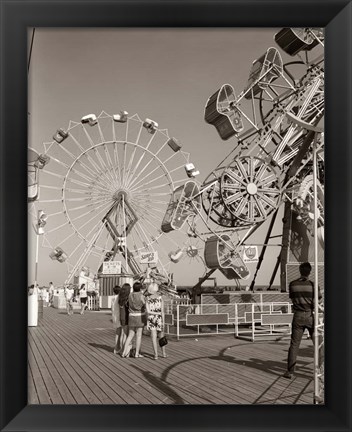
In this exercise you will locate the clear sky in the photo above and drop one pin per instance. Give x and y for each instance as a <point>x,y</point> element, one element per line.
<point>163,74</point>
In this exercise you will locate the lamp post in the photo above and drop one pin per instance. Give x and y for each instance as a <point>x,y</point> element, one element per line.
<point>318,376</point>
<point>39,229</point>
<point>33,298</point>
<point>316,287</point>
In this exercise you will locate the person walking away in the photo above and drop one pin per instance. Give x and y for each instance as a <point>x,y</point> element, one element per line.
<point>46,297</point>
<point>115,313</point>
<point>69,293</point>
<point>136,319</point>
<point>40,293</point>
<point>156,317</point>
<point>83,297</point>
<point>123,310</point>
<point>51,293</point>
<point>301,292</point>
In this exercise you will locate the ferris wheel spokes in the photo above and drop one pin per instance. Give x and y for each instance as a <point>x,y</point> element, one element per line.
<point>86,252</point>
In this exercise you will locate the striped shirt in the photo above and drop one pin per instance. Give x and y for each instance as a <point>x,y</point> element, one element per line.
<point>302,294</point>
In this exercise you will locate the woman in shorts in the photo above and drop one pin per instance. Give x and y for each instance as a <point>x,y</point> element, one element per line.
<point>115,314</point>
<point>69,293</point>
<point>137,319</point>
<point>83,297</point>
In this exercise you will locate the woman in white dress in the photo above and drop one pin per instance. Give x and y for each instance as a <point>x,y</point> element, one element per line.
<point>156,318</point>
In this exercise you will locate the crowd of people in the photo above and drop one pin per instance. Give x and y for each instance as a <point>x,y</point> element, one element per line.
<point>72,295</point>
<point>44,294</point>
<point>132,311</point>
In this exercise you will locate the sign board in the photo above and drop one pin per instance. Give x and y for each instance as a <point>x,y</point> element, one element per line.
<point>112,267</point>
<point>148,257</point>
<point>250,254</point>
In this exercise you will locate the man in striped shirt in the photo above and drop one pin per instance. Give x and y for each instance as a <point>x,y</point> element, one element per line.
<point>302,296</point>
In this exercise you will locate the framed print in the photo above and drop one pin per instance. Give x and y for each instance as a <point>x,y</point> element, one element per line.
<point>176,169</point>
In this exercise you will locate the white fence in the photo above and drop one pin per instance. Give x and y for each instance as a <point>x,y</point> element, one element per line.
<point>93,302</point>
<point>249,320</point>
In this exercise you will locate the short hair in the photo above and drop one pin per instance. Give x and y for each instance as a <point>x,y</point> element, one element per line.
<point>137,286</point>
<point>305,269</point>
<point>116,289</point>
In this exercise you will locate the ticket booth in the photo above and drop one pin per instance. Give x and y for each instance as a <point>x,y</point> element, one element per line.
<point>109,276</point>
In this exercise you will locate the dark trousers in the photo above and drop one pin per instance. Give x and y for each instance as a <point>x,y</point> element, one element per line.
<point>301,321</point>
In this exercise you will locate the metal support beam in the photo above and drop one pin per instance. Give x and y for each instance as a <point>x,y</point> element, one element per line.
<point>318,396</point>
<point>197,289</point>
<point>261,257</point>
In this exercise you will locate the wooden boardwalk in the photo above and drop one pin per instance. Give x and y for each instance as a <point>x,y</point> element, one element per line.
<point>71,361</point>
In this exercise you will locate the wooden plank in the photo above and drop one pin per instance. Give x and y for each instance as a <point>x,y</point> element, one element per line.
<point>32,394</point>
<point>40,387</point>
<point>251,377</point>
<point>57,381</point>
<point>72,363</point>
<point>214,369</point>
<point>110,373</point>
<point>182,376</point>
<point>153,366</point>
<point>65,383</point>
<point>211,393</point>
<point>126,364</point>
<point>86,370</point>
<point>53,391</point>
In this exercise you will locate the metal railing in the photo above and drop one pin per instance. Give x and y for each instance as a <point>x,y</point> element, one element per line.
<point>254,320</point>
<point>264,320</point>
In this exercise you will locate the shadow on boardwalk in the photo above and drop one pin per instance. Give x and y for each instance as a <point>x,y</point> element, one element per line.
<point>71,360</point>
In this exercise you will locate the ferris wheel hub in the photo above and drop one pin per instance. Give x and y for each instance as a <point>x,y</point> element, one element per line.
<point>119,194</point>
<point>252,188</point>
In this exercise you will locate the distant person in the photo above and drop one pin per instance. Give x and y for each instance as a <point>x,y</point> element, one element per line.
<point>31,290</point>
<point>115,313</point>
<point>39,292</point>
<point>136,319</point>
<point>83,297</point>
<point>51,293</point>
<point>301,292</point>
<point>123,311</point>
<point>156,317</point>
<point>69,295</point>
<point>45,297</point>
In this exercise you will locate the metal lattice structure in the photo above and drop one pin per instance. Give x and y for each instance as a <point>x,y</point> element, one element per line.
<point>278,156</point>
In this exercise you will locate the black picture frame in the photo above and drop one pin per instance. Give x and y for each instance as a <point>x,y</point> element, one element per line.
<point>16,17</point>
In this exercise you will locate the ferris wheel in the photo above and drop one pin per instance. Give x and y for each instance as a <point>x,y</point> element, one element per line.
<point>104,189</point>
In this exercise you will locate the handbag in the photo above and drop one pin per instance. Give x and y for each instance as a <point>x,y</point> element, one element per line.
<point>163,341</point>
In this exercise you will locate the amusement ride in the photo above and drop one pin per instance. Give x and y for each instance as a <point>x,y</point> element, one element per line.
<point>114,186</point>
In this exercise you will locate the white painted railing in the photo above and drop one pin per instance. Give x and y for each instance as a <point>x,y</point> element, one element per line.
<point>252,320</point>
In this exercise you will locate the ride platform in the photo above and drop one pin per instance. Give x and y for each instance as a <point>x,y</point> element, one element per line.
<point>71,361</point>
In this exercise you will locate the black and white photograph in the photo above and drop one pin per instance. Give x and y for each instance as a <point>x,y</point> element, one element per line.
<point>176,216</point>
